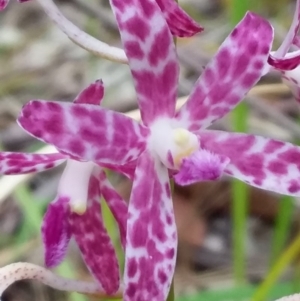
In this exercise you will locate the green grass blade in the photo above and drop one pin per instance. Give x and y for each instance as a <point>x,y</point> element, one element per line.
<point>285,259</point>
<point>282,226</point>
<point>237,10</point>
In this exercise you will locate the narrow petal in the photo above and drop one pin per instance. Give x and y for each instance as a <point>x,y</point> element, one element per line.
<point>24,270</point>
<point>22,163</point>
<point>3,4</point>
<point>151,234</point>
<point>93,94</point>
<point>289,62</point>
<point>289,38</point>
<point>94,242</point>
<point>116,204</point>
<point>151,55</point>
<point>201,166</point>
<point>84,131</point>
<point>292,80</point>
<point>234,70</point>
<point>56,231</point>
<point>262,162</point>
<point>180,23</point>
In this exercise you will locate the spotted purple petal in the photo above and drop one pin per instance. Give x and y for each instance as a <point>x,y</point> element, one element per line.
<point>85,131</point>
<point>153,64</point>
<point>93,94</point>
<point>180,23</point>
<point>56,231</point>
<point>237,66</point>
<point>201,166</point>
<point>94,242</point>
<point>262,162</point>
<point>22,163</point>
<point>116,204</point>
<point>151,234</point>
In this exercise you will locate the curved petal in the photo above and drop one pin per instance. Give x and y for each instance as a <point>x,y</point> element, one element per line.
<point>151,234</point>
<point>180,23</point>
<point>93,94</point>
<point>116,204</point>
<point>56,231</point>
<point>262,162</point>
<point>201,166</point>
<point>151,55</point>
<point>84,131</point>
<point>237,66</point>
<point>289,62</point>
<point>3,4</point>
<point>289,38</point>
<point>94,242</point>
<point>292,80</point>
<point>22,163</point>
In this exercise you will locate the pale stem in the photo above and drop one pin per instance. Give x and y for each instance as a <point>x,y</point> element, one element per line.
<point>23,270</point>
<point>80,37</point>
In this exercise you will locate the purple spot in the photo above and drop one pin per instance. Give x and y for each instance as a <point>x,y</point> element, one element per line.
<point>278,167</point>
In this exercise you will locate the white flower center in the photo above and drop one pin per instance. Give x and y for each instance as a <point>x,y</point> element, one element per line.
<point>171,144</point>
<point>74,184</point>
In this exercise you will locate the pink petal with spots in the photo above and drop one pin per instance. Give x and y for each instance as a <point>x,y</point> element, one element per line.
<point>22,163</point>
<point>3,4</point>
<point>151,54</point>
<point>290,62</point>
<point>291,35</point>
<point>180,23</point>
<point>292,80</point>
<point>94,242</point>
<point>262,162</point>
<point>85,131</point>
<point>201,166</point>
<point>234,70</point>
<point>93,94</point>
<point>151,234</point>
<point>116,204</point>
<point>56,231</point>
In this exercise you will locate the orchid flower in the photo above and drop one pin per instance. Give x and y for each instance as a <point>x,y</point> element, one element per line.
<point>288,63</point>
<point>180,23</point>
<point>169,141</point>
<point>76,209</point>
